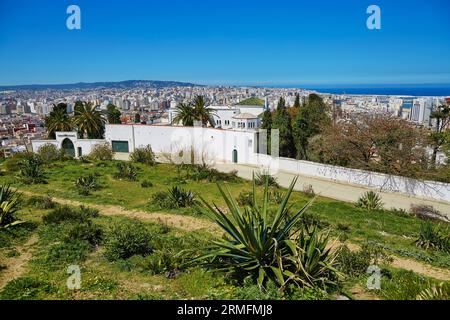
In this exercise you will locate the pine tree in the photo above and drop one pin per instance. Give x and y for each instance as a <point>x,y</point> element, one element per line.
<point>307,123</point>
<point>282,122</point>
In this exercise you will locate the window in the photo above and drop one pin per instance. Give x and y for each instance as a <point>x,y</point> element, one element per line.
<point>120,146</point>
<point>80,152</point>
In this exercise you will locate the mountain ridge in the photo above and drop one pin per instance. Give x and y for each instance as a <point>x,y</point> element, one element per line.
<point>127,84</point>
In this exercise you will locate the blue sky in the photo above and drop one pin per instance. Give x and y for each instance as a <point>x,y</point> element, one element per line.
<point>225,42</point>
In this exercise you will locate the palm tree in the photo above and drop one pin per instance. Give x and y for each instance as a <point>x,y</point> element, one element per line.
<point>202,112</point>
<point>184,114</point>
<point>58,120</point>
<point>90,122</point>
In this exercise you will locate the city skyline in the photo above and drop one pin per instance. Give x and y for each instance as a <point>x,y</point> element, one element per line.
<point>293,43</point>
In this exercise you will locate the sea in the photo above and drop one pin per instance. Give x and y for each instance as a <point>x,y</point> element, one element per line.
<point>414,91</point>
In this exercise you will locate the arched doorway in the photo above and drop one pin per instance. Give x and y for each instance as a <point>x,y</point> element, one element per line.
<point>235,156</point>
<point>68,147</point>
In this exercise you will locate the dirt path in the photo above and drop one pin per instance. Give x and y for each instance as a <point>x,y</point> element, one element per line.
<point>15,266</point>
<point>412,265</point>
<point>187,223</point>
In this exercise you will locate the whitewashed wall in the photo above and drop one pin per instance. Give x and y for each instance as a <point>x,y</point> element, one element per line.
<point>379,181</point>
<point>86,145</point>
<point>215,144</point>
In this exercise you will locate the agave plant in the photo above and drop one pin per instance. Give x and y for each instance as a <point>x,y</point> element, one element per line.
<point>181,198</point>
<point>126,171</point>
<point>432,238</point>
<point>439,292</point>
<point>370,201</point>
<point>269,245</point>
<point>6,193</point>
<point>85,184</point>
<point>7,210</point>
<point>264,175</point>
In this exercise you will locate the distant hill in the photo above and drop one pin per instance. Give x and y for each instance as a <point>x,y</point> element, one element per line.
<point>129,84</point>
<point>252,102</point>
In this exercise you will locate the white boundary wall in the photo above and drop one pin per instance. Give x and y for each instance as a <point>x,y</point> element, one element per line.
<point>218,145</point>
<point>379,181</point>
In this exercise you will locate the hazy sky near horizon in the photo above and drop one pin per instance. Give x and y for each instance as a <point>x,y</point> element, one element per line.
<point>225,42</point>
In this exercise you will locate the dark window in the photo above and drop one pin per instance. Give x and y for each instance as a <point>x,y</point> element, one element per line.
<point>120,146</point>
<point>80,152</point>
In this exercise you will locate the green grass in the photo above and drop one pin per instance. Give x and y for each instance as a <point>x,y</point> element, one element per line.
<point>143,277</point>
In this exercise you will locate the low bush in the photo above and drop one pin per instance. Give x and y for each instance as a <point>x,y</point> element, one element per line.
<point>41,202</point>
<point>127,239</point>
<point>12,164</point>
<point>61,254</point>
<point>370,201</point>
<point>126,171</point>
<point>403,285</point>
<point>245,198</point>
<point>143,155</point>
<point>85,184</point>
<point>49,153</point>
<point>84,231</point>
<point>31,170</point>
<point>263,176</point>
<point>68,214</point>
<point>146,184</point>
<point>175,197</point>
<point>309,190</point>
<point>427,212</point>
<point>355,263</point>
<point>26,288</point>
<point>102,152</point>
<point>433,238</point>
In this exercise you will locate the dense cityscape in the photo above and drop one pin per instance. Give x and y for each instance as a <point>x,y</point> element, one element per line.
<point>22,112</point>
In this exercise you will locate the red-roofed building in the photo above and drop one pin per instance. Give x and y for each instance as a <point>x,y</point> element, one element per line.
<point>447,100</point>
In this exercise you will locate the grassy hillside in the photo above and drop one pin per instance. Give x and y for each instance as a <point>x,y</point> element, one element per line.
<point>52,239</point>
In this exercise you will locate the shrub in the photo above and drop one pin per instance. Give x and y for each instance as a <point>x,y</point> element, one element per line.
<point>89,212</point>
<point>26,288</point>
<point>84,231</point>
<point>265,177</point>
<point>146,184</point>
<point>161,199</point>
<point>269,248</point>
<point>41,202</point>
<point>309,190</point>
<point>102,152</point>
<point>12,164</point>
<point>356,263</point>
<point>86,184</point>
<point>49,152</point>
<point>370,201</point>
<point>143,155</point>
<point>126,171</point>
<point>65,213</point>
<point>427,212</point>
<point>245,198</point>
<point>433,238</point>
<point>31,169</point>
<point>127,239</point>
<point>180,198</point>
<point>63,253</point>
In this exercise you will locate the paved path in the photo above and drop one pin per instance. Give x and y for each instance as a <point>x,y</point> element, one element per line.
<point>336,190</point>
